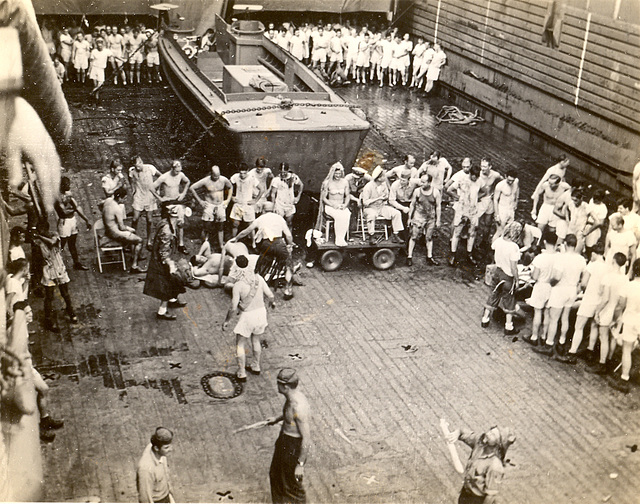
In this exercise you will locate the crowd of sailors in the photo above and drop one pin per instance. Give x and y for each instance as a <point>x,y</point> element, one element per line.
<point>125,54</point>
<point>346,54</point>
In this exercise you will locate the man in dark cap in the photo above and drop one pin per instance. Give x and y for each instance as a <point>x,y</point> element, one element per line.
<point>485,467</point>
<point>292,446</point>
<point>152,472</point>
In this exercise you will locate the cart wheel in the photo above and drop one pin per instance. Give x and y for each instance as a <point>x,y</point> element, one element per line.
<point>331,260</point>
<point>384,258</point>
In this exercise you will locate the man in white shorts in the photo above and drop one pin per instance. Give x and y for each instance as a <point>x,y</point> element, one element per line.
<point>263,176</point>
<point>550,192</point>
<point>320,49</point>
<point>630,303</point>
<point>607,311</point>
<point>505,201</point>
<point>285,192</point>
<point>568,270</point>
<point>542,273</point>
<point>99,59</point>
<point>144,197</point>
<point>591,281</point>
<point>248,299</point>
<point>153,57</point>
<point>134,42</point>
<point>246,193</point>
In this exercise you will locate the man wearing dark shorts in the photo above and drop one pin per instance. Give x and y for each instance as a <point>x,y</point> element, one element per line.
<point>274,243</point>
<point>505,282</point>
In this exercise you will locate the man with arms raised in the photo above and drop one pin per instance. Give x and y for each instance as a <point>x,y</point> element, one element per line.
<point>292,446</point>
<point>215,202</point>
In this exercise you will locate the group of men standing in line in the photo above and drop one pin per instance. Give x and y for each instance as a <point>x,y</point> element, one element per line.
<point>347,54</point>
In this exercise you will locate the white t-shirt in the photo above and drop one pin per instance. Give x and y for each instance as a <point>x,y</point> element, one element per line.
<point>597,271</point>
<point>506,252</point>
<point>244,187</point>
<point>632,223</point>
<point>270,226</point>
<point>99,59</point>
<point>14,286</point>
<point>544,263</point>
<point>569,267</point>
<point>620,242</point>
<point>631,313</point>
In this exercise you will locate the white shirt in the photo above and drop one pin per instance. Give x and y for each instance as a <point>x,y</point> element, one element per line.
<point>506,252</point>
<point>244,187</point>
<point>571,266</point>
<point>597,271</point>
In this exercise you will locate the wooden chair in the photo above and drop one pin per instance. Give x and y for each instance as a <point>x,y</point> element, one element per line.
<point>107,247</point>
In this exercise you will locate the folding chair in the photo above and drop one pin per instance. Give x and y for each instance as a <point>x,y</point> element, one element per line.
<point>107,247</point>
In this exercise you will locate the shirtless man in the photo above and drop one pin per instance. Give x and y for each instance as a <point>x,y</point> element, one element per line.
<point>246,194</point>
<point>144,197</point>
<point>550,192</point>
<point>115,228</point>
<point>247,299</point>
<point>218,190</point>
<point>264,176</point>
<point>465,192</point>
<point>285,192</point>
<point>215,270</point>
<point>559,169</point>
<point>505,201</point>
<point>488,179</point>
<point>292,446</point>
<point>168,187</point>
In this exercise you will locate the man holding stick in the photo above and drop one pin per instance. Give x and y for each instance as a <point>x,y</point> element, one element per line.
<point>485,467</point>
<point>292,446</point>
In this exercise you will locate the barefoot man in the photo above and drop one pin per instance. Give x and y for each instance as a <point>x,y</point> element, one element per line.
<point>248,300</point>
<point>217,194</point>
<point>173,186</point>
<point>292,446</point>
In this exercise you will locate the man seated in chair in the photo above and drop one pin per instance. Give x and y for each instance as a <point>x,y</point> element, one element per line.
<point>375,199</point>
<point>334,199</point>
<point>115,228</point>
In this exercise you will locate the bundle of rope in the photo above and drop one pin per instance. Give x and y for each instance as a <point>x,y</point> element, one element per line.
<point>454,115</point>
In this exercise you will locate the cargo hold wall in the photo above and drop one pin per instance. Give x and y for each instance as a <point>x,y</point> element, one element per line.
<point>580,89</point>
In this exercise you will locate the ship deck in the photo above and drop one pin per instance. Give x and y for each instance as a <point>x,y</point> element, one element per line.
<point>382,355</point>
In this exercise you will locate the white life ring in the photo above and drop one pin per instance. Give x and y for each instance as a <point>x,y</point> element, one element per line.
<point>190,51</point>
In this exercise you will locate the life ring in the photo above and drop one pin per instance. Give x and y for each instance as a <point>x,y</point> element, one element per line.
<point>190,51</point>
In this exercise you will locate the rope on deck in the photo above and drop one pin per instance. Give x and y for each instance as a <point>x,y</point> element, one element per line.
<point>454,115</point>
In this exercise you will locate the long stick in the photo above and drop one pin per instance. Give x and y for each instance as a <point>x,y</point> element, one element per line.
<point>257,425</point>
<point>455,458</point>
<point>584,52</point>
